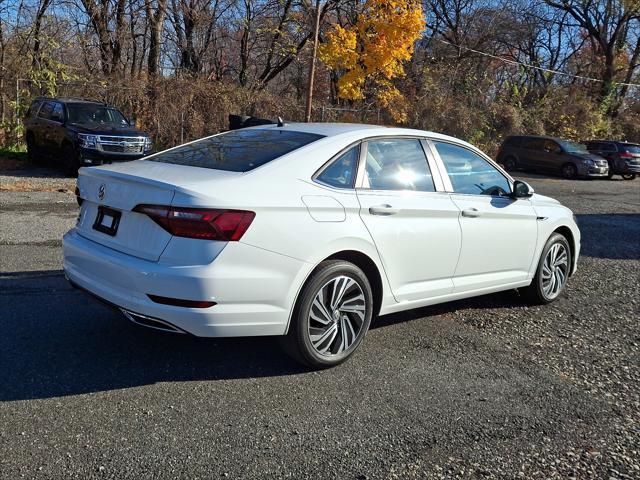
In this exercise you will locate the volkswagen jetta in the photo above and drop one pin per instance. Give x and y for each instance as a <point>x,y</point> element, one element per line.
<point>307,231</point>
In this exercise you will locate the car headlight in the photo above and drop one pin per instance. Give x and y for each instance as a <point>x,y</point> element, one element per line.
<point>87,141</point>
<point>588,162</point>
<point>148,144</point>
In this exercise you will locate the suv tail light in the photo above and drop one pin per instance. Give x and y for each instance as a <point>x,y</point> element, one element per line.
<point>626,155</point>
<point>202,223</point>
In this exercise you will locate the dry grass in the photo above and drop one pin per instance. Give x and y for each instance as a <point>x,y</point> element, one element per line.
<point>37,185</point>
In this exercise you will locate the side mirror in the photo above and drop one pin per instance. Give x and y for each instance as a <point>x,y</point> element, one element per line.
<point>132,121</point>
<point>521,190</point>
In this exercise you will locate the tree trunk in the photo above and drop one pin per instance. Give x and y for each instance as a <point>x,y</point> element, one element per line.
<point>156,22</point>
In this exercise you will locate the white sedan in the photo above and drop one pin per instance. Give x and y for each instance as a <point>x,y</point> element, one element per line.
<point>307,231</point>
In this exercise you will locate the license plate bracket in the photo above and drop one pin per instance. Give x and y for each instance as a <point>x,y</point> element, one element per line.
<point>107,220</point>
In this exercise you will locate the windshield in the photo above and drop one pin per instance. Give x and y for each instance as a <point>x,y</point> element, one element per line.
<point>631,148</point>
<point>237,150</point>
<point>90,113</point>
<point>573,147</point>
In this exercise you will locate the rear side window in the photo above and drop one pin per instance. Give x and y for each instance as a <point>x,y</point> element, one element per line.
<point>238,150</point>
<point>471,174</point>
<point>630,148</point>
<point>342,171</point>
<point>33,109</point>
<point>533,143</point>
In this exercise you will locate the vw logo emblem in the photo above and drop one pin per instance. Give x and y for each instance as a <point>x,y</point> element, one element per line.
<point>101,191</point>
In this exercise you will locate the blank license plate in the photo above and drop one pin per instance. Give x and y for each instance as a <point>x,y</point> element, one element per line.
<point>107,220</point>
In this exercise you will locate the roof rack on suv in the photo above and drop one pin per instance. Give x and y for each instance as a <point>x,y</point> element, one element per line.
<point>71,99</point>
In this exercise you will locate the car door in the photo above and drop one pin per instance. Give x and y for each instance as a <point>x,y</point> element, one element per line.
<point>57,133</point>
<point>413,223</point>
<point>42,126</point>
<point>551,157</point>
<point>499,233</point>
<point>527,152</point>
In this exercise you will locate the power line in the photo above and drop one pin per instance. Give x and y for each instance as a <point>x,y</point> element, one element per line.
<point>528,65</point>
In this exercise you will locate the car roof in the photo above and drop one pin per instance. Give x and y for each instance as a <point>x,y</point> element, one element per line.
<point>618,142</point>
<point>70,100</point>
<point>359,131</point>
<point>541,137</point>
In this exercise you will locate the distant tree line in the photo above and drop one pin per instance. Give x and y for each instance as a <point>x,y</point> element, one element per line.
<point>478,69</point>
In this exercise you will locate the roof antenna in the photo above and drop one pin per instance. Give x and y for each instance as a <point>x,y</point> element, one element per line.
<point>280,122</point>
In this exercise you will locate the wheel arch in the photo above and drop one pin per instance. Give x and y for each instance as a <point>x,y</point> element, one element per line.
<point>568,234</point>
<point>362,261</point>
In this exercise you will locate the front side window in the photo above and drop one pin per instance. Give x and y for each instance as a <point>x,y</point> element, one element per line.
<point>570,146</point>
<point>552,147</point>
<point>46,110</point>
<point>470,173</point>
<point>342,171</point>
<point>397,164</point>
<point>57,113</point>
<point>237,150</point>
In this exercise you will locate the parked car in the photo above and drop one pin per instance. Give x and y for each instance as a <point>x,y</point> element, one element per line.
<point>550,154</point>
<point>307,231</point>
<point>623,157</point>
<point>75,133</point>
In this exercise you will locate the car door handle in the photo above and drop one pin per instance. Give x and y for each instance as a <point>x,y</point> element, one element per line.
<point>471,212</point>
<point>383,210</point>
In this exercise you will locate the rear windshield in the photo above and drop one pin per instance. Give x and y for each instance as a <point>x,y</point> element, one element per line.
<point>238,150</point>
<point>630,148</point>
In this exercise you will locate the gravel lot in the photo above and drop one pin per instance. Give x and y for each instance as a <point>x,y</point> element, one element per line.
<point>481,388</point>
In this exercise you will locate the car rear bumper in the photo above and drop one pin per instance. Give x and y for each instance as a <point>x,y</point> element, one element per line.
<point>253,288</point>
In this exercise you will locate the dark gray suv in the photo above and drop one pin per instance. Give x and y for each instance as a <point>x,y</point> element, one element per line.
<point>623,157</point>
<point>553,155</point>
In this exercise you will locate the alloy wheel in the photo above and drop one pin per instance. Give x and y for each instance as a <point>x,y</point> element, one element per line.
<point>336,316</point>
<point>555,270</point>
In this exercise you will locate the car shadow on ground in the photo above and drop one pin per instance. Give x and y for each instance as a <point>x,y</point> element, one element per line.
<point>59,341</point>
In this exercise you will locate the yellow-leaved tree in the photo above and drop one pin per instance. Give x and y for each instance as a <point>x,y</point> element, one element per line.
<point>371,52</point>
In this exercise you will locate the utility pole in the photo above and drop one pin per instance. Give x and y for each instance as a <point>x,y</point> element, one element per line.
<point>312,64</point>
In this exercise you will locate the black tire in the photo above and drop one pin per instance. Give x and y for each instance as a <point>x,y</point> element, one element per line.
<point>510,164</point>
<point>629,176</point>
<point>70,160</point>
<point>298,343</point>
<point>535,293</point>
<point>569,170</point>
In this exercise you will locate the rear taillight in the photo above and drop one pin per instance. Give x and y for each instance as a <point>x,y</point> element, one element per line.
<point>202,223</point>
<point>626,155</point>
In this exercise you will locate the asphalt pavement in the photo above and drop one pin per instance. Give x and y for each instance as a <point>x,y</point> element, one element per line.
<point>480,388</point>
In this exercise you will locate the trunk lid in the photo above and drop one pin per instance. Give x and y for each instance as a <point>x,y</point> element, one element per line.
<point>115,190</point>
